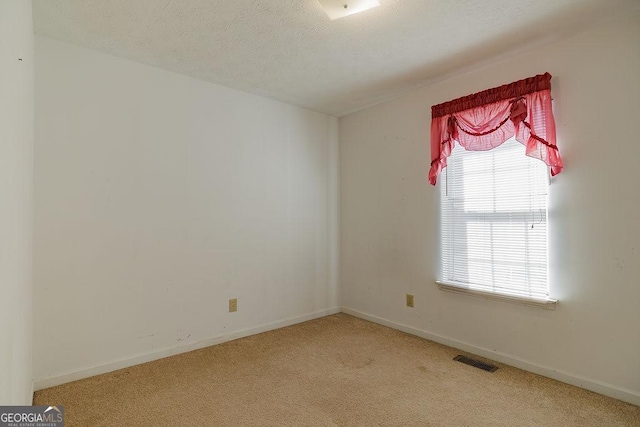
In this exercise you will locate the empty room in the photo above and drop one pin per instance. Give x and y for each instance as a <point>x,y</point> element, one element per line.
<point>319,213</point>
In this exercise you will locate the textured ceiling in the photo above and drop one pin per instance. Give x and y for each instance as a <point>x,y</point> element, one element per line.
<point>289,50</point>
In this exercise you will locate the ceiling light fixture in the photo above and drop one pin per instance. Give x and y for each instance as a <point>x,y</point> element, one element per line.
<point>337,9</point>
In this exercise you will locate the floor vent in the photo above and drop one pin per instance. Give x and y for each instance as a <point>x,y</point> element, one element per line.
<point>475,363</point>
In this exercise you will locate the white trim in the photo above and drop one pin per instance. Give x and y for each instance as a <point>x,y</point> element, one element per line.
<point>32,391</point>
<point>549,303</point>
<point>51,381</point>
<point>610,390</point>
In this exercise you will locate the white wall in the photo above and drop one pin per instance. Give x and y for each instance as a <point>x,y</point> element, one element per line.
<point>389,219</point>
<point>159,197</point>
<point>16,178</point>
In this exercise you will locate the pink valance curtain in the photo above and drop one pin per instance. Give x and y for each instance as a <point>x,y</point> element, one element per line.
<point>485,120</point>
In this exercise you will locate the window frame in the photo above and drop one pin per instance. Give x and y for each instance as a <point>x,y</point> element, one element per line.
<point>466,289</point>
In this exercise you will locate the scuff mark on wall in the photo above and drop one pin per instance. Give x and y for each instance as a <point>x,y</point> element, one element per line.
<point>182,335</point>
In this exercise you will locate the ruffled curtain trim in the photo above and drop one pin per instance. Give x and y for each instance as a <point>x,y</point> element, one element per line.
<point>487,119</point>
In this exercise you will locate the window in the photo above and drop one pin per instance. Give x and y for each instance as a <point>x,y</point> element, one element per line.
<point>494,224</point>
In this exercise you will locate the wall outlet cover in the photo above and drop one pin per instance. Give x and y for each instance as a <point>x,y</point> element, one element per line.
<point>409,300</point>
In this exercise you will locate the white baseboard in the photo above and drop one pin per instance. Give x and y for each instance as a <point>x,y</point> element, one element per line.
<point>625,395</point>
<point>42,383</point>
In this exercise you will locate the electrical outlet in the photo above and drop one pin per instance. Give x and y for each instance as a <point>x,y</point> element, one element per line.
<point>409,300</point>
<point>233,305</point>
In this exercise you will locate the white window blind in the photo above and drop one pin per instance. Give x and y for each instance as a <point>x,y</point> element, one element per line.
<point>494,222</point>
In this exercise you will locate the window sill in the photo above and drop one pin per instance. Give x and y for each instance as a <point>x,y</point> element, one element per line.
<point>549,304</point>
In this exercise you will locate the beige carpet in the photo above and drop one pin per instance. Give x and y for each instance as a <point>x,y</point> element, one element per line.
<point>338,370</point>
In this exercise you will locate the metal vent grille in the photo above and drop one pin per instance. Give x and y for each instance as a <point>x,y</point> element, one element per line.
<point>475,363</point>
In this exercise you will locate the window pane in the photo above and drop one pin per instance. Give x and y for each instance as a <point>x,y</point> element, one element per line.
<point>493,221</point>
